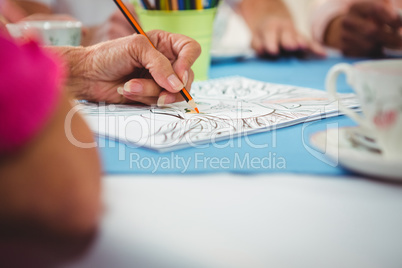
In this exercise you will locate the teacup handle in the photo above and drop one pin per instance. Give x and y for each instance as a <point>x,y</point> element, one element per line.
<point>330,84</point>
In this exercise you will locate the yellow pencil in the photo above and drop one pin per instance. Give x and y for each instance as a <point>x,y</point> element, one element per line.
<point>198,5</point>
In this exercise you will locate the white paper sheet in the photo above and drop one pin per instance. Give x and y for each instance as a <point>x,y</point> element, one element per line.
<point>230,107</point>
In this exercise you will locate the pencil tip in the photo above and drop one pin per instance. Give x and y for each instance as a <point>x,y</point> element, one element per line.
<point>193,105</point>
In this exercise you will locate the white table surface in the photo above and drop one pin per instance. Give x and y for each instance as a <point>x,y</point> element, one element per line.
<point>226,220</point>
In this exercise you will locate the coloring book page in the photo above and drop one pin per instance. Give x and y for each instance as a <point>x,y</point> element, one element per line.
<point>229,108</point>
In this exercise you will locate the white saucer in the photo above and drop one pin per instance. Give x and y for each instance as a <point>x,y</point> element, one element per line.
<point>358,153</point>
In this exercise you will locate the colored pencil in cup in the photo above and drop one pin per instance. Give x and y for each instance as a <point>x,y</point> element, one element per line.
<point>181,4</point>
<point>187,4</point>
<point>192,3</point>
<point>174,5</point>
<point>147,4</point>
<point>198,4</point>
<point>139,30</point>
<point>163,5</point>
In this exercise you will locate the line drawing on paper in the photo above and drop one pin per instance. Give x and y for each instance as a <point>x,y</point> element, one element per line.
<point>230,107</point>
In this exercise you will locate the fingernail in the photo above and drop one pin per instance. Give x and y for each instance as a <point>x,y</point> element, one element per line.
<point>175,82</point>
<point>120,90</point>
<point>133,87</point>
<point>185,78</point>
<point>161,101</point>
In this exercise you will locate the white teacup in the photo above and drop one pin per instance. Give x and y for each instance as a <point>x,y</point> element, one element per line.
<point>378,85</point>
<point>51,32</point>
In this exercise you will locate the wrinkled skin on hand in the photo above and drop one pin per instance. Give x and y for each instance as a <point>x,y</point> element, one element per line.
<point>130,70</point>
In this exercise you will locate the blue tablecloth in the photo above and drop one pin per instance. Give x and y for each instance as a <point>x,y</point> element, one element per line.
<point>284,150</point>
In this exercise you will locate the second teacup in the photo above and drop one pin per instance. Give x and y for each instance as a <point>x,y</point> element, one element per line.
<point>378,85</point>
<point>51,32</point>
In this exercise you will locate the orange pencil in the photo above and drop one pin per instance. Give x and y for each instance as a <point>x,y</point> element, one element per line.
<point>139,30</point>
<point>175,5</point>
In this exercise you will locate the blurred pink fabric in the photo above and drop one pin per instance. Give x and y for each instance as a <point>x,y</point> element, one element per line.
<point>30,87</point>
<point>324,11</point>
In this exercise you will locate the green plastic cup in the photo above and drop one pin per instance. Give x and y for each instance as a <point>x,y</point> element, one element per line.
<point>196,24</point>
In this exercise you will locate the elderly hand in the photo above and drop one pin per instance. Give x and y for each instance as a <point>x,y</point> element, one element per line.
<point>365,29</point>
<point>129,69</point>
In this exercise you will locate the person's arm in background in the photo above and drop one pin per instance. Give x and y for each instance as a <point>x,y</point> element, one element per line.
<point>50,196</point>
<point>50,201</point>
<point>273,29</point>
<point>357,27</point>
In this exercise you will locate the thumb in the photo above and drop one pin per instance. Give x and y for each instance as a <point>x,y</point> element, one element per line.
<point>156,63</point>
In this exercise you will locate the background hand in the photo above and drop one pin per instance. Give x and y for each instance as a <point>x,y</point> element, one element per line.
<point>365,29</point>
<point>273,30</point>
<point>278,33</point>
